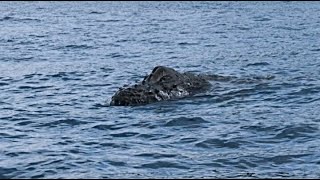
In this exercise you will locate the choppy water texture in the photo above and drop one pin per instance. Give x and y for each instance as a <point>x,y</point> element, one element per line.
<point>61,62</point>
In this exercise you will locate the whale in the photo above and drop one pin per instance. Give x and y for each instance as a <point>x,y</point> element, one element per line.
<point>163,83</point>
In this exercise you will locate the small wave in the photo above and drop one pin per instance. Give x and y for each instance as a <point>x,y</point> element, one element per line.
<point>306,91</point>
<point>167,20</point>
<point>15,154</point>
<point>147,136</point>
<point>240,93</point>
<point>258,64</point>
<point>124,134</point>
<point>262,19</point>
<point>73,46</point>
<point>254,79</point>
<point>65,76</point>
<point>14,136</point>
<point>114,145</point>
<point>307,100</point>
<point>110,20</point>
<point>106,69</point>
<point>28,19</point>
<point>115,55</point>
<point>187,44</point>
<point>260,128</point>
<point>183,121</point>
<point>173,57</point>
<point>96,85</point>
<point>6,18</point>
<point>34,87</point>
<point>289,28</point>
<point>122,40</point>
<point>293,53</point>
<point>25,43</point>
<point>106,127</point>
<point>281,159</point>
<point>10,18</point>
<point>38,36</point>
<point>210,45</point>
<point>157,155</point>
<point>21,59</point>
<point>59,74</point>
<point>27,76</point>
<point>293,132</point>
<point>72,122</point>
<point>188,140</point>
<point>99,105</point>
<point>5,172</point>
<point>38,176</point>
<point>243,28</point>
<point>96,12</point>
<point>116,163</point>
<point>317,49</point>
<point>24,123</point>
<point>159,42</point>
<point>3,84</point>
<point>163,164</point>
<point>218,143</point>
<point>4,135</point>
<point>212,164</point>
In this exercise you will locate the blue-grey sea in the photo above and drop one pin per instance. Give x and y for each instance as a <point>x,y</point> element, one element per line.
<point>61,62</point>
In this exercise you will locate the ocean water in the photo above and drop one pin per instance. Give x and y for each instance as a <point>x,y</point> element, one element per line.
<point>61,62</point>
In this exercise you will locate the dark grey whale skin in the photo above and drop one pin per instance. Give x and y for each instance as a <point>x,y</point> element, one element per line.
<point>163,83</point>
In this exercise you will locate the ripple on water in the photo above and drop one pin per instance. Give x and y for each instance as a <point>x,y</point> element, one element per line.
<point>109,126</point>
<point>59,66</point>
<point>7,173</point>
<point>184,121</point>
<point>218,143</point>
<point>124,134</point>
<point>296,131</point>
<point>157,155</point>
<point>163,164</point>
<point>3,84</point>
<point>58,123</point>
<point>306,91</point>
<point>261,19</point>
<point>276,134</point>
<point>26,87</point>
<point>258,64</point>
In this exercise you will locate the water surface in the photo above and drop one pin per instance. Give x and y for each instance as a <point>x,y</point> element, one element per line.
<point>61,62</point>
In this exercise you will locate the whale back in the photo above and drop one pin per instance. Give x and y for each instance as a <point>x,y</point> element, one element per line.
<point>161,73</point>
